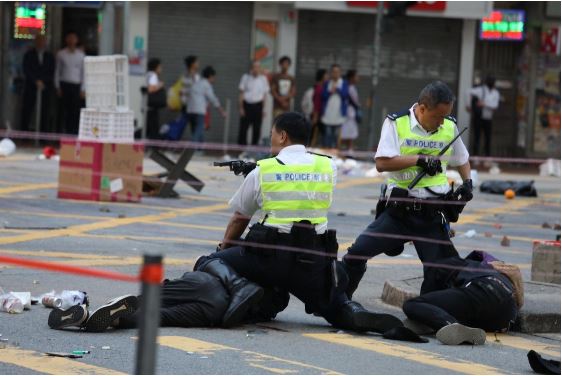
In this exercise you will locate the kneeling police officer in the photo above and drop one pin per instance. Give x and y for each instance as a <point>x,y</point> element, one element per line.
<point>292,248</point>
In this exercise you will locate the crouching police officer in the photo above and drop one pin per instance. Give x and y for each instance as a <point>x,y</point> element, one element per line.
<point>410,142</point>
<point>292,248</point>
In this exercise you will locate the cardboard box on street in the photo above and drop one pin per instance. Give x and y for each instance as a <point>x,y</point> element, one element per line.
<point>99,171</point>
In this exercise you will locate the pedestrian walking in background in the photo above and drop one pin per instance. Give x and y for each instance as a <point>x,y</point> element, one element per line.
<point>39,74</point>
<point>69,81</point>
<point>484,100</point>
<point>335,99</point>
<point>253,89</point>
<point>190,77</point>
<point>311,105</point>
<point>283,88</point>
<point>200,96</point>
<point>350,129</point>
<point>156,92</point>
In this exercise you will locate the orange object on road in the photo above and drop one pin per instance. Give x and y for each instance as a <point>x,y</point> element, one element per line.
<point>509,194</point>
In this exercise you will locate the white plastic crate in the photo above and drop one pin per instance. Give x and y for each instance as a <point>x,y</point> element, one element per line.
<point>107,81</point>
<point>106,125</point>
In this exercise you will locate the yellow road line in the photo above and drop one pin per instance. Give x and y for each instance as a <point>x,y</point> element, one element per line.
<point>110,223</point>
<point>189,225</point>
<point>524,344</point>
<point>262,361</point>
<point>51,365</point>
<point>358,181</point>
<point>26,187</point>
<point>53,214</point>
<point>154,238</point>
<point>405,353</point>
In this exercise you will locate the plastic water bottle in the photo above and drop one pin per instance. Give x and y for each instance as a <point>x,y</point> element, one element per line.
<point>10,303</point>
<point>72,298</point>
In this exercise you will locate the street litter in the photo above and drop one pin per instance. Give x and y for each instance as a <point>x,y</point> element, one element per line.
<point>104,209</point>
<point>64,355</point>
<point>546,225</point>
<point>65,299</point>
<point>341,214</point>
<point>469,233</point>
<point>122,216</point>
<point>25,298</point>
<point>106,347</point>
<point>520,188</point>
<point>498,226</point>
<point>556,226</point>
<point>7,147</point>
<point>488,234</point>
<point>10,303</point>
<point>80,352</point>
<point>505,241</point>
<point>550,168</point>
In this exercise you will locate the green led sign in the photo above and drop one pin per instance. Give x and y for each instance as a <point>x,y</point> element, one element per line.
<point>29,20</point>
<point>503,25</point>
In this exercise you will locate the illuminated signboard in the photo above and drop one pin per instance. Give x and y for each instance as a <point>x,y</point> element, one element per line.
<point>29,20</point>
<point>503,25</point>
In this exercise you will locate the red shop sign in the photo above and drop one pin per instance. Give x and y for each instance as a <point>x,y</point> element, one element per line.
<point>425,6</point>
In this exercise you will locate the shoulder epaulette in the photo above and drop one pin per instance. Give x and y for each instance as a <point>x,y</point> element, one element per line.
<point>321,155</point>
<point>395,115</point>
<point>452,118</point>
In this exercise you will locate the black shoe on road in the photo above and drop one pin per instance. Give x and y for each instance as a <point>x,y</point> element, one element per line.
<point>103,317</point>
<point>74,316</point>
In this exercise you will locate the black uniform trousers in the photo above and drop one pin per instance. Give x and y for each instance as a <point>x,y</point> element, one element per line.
<point>310,282</point>
<point>389,233</point>
<point>253,115</point>
<point>196,299</point>
<point>482,126</point>
<point>71,102</point>
<point>484,303</point>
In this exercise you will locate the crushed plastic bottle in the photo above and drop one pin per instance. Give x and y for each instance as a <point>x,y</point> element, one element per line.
<point>10,303</point>
<point>72,298</point>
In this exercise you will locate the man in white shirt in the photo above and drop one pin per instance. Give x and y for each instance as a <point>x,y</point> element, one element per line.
<point>253,89</point>
<point>292,248</point>
<point>69,81</point>
<point>335,99</point>
<point>484,100</point>
<point>409,144</point>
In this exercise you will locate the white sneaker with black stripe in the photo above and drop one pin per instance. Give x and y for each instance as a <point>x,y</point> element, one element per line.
<point>103,317</point>
<point>455,334</point>
<point>74,316</point>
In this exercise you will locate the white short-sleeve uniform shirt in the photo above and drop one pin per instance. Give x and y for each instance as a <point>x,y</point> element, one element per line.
<point>248,199</point>
<point>389,147</point>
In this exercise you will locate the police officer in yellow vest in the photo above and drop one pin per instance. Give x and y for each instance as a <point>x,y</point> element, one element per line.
<point>291,248</point>
<point>410,142</point>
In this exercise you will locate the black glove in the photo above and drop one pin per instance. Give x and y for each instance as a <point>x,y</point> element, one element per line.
<point>430,164</point>
<point>464,192</point>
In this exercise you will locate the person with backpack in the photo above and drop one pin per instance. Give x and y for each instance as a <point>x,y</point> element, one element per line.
<point>462,298</point>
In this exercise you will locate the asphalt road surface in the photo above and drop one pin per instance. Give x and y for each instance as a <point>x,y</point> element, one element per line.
<point>35,224</point>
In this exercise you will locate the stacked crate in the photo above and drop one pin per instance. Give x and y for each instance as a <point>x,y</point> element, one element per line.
<point>104,163</point>
<point>107,117</point>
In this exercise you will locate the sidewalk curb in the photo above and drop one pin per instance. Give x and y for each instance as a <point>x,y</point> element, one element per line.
<point>540,313</point>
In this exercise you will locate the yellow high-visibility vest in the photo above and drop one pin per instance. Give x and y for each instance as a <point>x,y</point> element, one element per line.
<point>413,144</point>
<point>296,192</point>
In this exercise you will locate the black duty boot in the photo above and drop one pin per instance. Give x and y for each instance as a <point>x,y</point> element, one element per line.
<point>353,316</point>
<point>243,293</point>
<point>355,274</point>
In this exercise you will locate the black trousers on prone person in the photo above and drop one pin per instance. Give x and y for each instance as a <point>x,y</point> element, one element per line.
<point>196,299</point>
<point>253,115</point>
<point>484,303</point>
<point>389,232</point>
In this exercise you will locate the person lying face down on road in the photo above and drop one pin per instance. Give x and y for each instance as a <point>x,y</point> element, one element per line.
<point>461,299</point>
<point>217,297</point>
